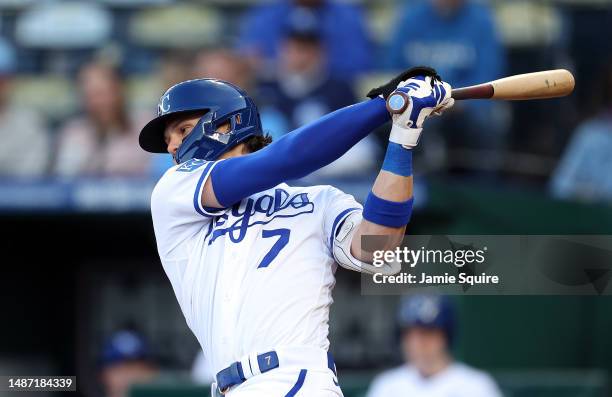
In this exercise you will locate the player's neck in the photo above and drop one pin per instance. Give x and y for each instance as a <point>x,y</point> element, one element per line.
<point>237,151</point>
<point>435,367</point>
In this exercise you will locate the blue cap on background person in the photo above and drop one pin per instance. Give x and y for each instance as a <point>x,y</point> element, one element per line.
<point>8,58</point>
<point>125,345</point>
<point>303,23</point>
<point>427,311</point>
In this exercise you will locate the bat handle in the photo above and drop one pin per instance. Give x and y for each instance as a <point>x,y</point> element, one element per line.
<point>481,91</point>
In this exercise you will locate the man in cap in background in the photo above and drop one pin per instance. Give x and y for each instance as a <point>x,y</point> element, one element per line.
<point>341,23</point>
<point>459,39</point>
<point>304,90</point>
<point>125,360</point>
<point>427,326</point>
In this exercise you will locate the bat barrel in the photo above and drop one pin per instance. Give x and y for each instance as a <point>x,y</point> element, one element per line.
<point>539,85</point>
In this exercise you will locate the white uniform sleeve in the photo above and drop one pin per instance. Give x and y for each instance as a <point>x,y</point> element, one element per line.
<point>338,206</point>
<point>176,205</point>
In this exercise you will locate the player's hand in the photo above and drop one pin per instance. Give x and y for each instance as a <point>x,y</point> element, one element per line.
<point>386,89</point>
<point>415,100</point>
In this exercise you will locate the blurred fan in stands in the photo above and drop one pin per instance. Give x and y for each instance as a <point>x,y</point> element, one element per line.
<point>459,39</point>
<point>343,33</point>
<point>229,66</point>
<point>103,139</point>
<point>304,90</point>
<point>25,148</point>
<point>583,172</point>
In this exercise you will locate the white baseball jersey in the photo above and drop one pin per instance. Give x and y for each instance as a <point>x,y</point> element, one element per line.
<point>457,380</point>
<point>253,277</point>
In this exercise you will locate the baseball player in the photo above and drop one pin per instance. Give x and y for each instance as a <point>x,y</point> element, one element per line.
<point>427,324</point>
<point>252,259</point>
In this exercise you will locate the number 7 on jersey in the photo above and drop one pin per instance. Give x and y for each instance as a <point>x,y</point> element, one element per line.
<point>283,240</point>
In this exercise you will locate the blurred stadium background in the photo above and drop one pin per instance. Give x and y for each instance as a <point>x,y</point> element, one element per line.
<point>77,79</point>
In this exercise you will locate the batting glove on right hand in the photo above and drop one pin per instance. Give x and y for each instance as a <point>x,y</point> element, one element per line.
<point>415,100</point>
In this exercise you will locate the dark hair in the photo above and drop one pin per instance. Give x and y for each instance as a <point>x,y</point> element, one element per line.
<point>257,142</point>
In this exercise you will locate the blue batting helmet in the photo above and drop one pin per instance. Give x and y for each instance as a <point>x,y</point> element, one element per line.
<point>427,311</point>
<point>221,102</point>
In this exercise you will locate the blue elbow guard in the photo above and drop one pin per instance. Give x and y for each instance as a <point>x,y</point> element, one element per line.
<point>387,213</point>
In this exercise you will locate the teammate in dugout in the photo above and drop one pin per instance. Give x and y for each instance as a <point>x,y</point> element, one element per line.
<point>252,259</point>
<point>427,324</point>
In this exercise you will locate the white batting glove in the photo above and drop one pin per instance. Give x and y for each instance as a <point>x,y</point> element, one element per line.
<point>414,101</point>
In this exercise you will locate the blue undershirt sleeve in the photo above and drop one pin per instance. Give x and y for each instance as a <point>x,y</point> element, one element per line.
<point>298,153</point>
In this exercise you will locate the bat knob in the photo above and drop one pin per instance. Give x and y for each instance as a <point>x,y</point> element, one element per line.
<point>397,102</point>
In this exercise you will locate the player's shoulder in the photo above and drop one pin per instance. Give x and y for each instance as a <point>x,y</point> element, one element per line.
<point>322,191</point>
<point>164,181</point>
<point>390,381</point>
<point>474,379</point>
<point>402,374</point>
<point>178,176</point>
<point>330,191</point>
<point>462,370</point>
<point>185,170</point>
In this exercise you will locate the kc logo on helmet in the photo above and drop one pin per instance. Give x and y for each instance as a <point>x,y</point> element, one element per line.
<point>164,104</point>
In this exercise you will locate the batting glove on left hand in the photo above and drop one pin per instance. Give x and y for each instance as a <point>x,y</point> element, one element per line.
<point>412,103</point>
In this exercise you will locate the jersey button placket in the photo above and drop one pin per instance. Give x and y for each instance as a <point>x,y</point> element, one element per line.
<point>229,266</point>
<point>226,283</point>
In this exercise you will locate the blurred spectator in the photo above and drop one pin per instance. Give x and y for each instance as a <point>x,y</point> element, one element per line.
<point>104,139</point>
<point>174,67</point>
<point>458,38</point>
<point>304,91</point>
<point>125,361</point>
<point>345,38</point>
<point>227,65</point>
<point>583,171</point>
<point>224,64</point>
<point>427,326</point>
<point>25,149</point>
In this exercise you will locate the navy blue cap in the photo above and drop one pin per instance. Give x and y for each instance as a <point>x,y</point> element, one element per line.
<point>427,311</point>
<point>304,23</point>
<point>124,346</point>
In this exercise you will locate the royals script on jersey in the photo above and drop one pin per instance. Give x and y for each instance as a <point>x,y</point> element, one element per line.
<point>253,277</point>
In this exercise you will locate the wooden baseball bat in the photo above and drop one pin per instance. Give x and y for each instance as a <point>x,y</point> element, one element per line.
<point>539,85</point>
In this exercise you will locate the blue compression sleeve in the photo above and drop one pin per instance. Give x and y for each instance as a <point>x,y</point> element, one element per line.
<point>298,153</point>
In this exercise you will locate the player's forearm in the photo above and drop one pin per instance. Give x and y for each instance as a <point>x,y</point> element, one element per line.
<point>389,205</point>
<point>297,154</point>
<point>391,187</point>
